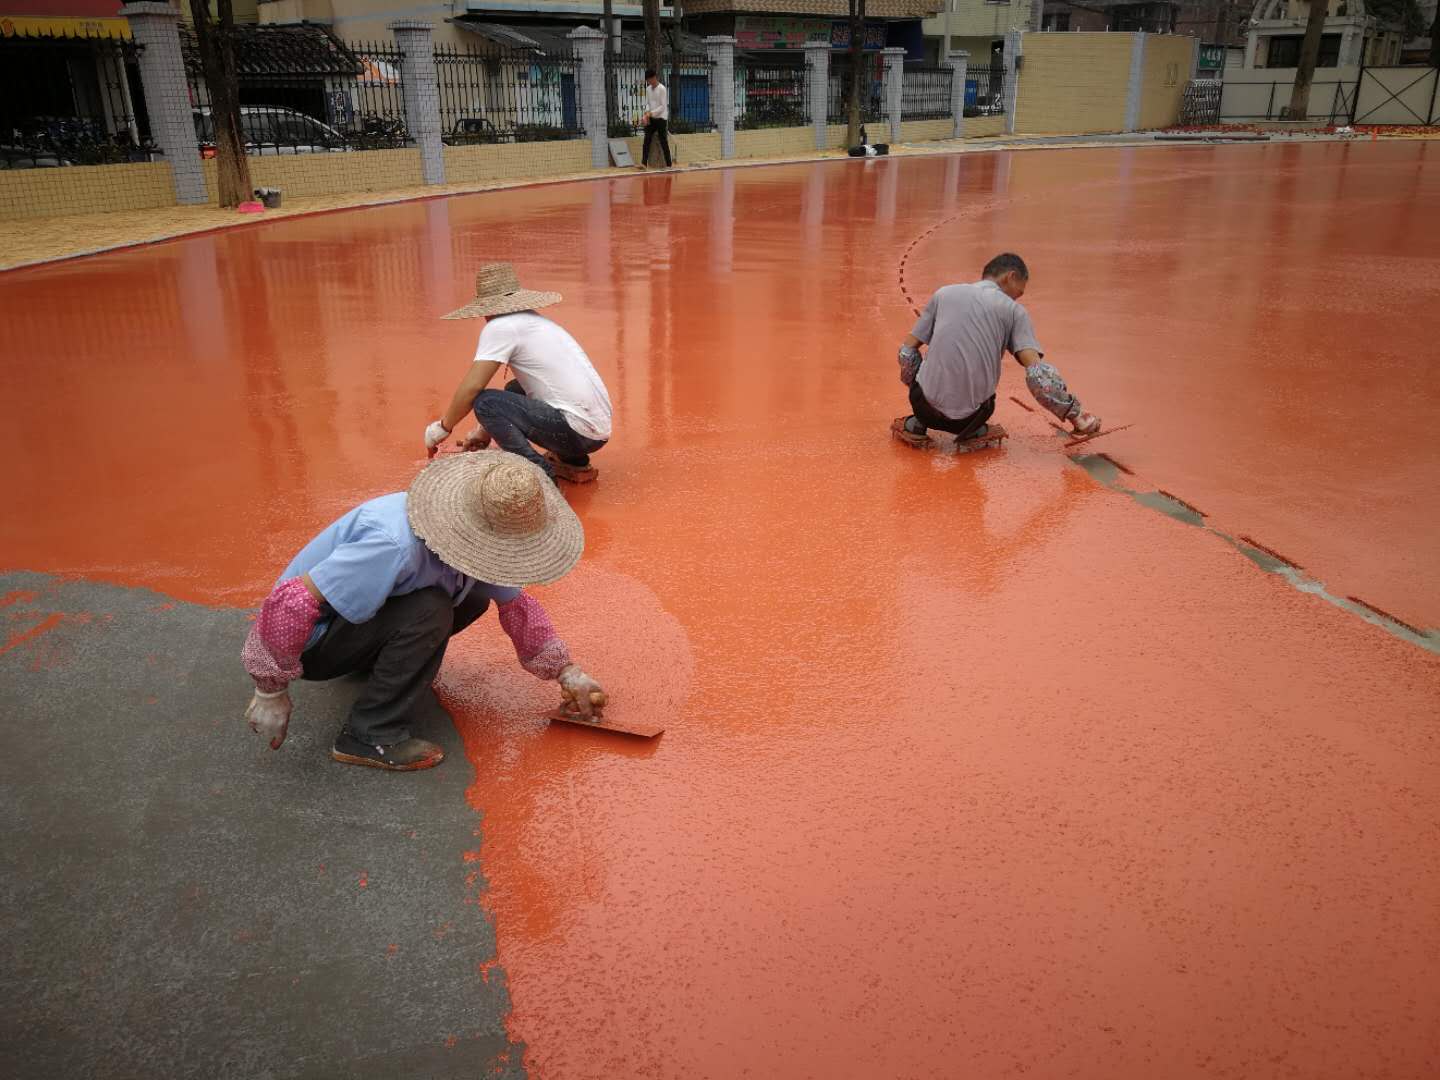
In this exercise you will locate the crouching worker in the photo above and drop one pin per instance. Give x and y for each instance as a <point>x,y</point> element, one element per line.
<point>967,330</point>
<point>556,400</point>
<point>383,590</point>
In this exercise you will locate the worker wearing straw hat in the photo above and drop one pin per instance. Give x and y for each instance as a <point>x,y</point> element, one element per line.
<point>556,400</point>
<point>382,590</point>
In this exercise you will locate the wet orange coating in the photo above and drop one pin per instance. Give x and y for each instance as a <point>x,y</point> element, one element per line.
<point>972,766</point>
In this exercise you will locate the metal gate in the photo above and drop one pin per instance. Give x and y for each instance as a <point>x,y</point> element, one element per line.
<point>1201,103</point>
<point>1397,95</point>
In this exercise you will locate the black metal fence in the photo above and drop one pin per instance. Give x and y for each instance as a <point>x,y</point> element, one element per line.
<point>985,90</point>
<point>497,94</point>
<point>71,102</point>
<point>925,93</point>
<point>872,92</point>
<point>772,95</point>
<point>362,109</point>
<point>690,106</point>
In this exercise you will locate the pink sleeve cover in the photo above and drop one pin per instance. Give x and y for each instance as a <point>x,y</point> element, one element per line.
<point>272,650</point>
<point>538,647</point>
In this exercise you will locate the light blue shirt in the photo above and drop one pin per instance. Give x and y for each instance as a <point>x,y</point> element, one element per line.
<point>370,555</point>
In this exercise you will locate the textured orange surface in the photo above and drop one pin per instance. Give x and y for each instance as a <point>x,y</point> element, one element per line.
<point>972,767</point>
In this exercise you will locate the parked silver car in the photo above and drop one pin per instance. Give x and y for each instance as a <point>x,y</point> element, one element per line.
<point>273,129</point>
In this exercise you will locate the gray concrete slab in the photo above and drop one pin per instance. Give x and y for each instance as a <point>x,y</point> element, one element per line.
<point>178,900</point>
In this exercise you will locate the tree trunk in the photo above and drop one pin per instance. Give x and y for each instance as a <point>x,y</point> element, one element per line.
<point>1309,56</point>
<point>609,28</point>
<point>858,82</point>
<point>217,58</point>
<point>1435,41</point>
<point>652,35</point>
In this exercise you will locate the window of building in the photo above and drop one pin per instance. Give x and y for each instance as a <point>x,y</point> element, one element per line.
<point>1285,51</point>
<point>1057,20</point>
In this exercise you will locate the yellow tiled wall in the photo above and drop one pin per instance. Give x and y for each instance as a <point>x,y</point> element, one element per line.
<point>775,142</point>
<point>686,149</point>
<point>1073,83</point>
<point>516,161</point>
<point>983,127</point>
<point>1168,63</point>
<point>329,174</point>
<point>926,130</point>
<point>84,189</point>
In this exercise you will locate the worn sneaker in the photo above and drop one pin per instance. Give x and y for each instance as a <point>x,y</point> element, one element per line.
<point>1086,424</point>
<point>407,756</point>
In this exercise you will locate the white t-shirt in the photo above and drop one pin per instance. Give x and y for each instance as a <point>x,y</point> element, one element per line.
<point>657,101</point>
<point>551,367</point>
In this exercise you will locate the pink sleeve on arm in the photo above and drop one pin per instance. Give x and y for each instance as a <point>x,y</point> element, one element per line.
<point>538,647</point>
<point>272,650</point>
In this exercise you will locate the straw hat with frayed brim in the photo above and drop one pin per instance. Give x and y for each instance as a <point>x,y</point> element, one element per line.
<point>498,292</point>
<point>496,517</point>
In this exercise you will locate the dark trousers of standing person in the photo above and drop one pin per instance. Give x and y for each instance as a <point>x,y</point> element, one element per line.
<point>931,417</point>
<point>515,421</point>
<point>653,128</point>
<point>400,648</point>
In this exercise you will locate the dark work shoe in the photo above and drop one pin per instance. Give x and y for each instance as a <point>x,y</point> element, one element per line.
<point>407,756</point>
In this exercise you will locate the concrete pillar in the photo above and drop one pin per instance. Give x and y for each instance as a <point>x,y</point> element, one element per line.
<point>421,86</point>
<point>817,75</point>
<point>721,51</point>
<point>590,48</point>
<point>959,65</point>
<point>894,89</point>
<point>1134,89</point>
<point>155,27</point>
<point>1014,50</point>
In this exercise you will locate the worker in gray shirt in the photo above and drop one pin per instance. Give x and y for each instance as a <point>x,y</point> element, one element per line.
<point>968,329</point>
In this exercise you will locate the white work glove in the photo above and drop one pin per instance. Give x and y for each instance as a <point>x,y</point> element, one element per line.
<point>582,694</point>
<point>435,434</point>
<point>478,439</point>
<point>269,716</point>
<point>909,364</point>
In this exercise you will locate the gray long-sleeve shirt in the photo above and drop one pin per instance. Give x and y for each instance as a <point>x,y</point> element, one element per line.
<point>968,328</point>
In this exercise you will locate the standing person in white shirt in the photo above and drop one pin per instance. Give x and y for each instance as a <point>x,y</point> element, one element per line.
<point>556,400</point>
<point>656,118</point>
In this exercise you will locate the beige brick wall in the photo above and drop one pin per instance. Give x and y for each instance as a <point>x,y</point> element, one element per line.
<point>1073,83</point>
<point>926,130</point>
<point>774,142</point>
<point>329,174</point>
<point>1168,63</point>
<point>983,127</point>
<point>84,189</point>
<point>686,149</point>
<point>516,161</point>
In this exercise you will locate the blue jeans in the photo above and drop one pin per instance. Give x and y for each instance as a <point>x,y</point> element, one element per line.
<point>515,421</point>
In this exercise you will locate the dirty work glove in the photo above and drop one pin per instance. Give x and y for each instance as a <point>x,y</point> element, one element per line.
<point>435,434</point>
<point>909,364</point>
<point>582,694</point>
<point>478,439</point>
<point>269,716</point>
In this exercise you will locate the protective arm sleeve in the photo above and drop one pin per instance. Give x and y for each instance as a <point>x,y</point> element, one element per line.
<point>272,650</point>
<point>537,646</point>
<point>1048,388</point>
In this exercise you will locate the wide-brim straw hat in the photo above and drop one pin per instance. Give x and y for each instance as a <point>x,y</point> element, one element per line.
<point>498,292</point>
<point>496,517</point>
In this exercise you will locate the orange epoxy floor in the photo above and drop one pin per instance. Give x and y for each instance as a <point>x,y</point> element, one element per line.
<point>975,768</point>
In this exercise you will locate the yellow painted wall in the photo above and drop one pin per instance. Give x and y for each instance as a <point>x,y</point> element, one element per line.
<point>84,189</point>
<point>926,130</point>
<point>516,161</point>
<point>983,127</point>
<point>1168,63</point>
<point>330,174</point>
<point>775,142</point>
<point>1073,83</point>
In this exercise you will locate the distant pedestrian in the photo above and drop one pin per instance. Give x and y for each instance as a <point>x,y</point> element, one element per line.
<point>656,118</point>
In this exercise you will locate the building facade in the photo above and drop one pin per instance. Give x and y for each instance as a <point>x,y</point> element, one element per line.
<point>1350,37</point>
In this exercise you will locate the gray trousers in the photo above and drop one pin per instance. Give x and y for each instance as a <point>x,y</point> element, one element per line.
<point>400,649</point>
